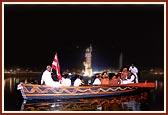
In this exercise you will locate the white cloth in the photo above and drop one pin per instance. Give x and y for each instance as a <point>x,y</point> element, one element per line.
<point>127,81</point>
<point>97,82</point>
<point>77,82</point>
<point>66,82</point>
<point>124,82</point>
<point>47,79</point>
<point>134,70</point>
<point>131,80</point>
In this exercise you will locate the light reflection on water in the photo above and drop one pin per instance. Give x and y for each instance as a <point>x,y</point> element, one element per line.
<point>115,103</point>
<point>152,100</point>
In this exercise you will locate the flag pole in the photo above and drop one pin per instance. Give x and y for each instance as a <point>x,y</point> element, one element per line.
<point>55,65</point>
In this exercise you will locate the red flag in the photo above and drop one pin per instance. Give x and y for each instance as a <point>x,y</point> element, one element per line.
<point>55,65</point>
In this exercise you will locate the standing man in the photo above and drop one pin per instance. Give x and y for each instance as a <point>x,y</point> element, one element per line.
<point>134,70</point>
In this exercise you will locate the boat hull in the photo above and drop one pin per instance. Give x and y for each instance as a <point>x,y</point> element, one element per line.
<point>32,91</point>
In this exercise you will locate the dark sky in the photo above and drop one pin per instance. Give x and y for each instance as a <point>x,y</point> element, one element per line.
<point>34,33</point>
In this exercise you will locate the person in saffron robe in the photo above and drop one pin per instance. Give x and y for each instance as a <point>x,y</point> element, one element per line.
<point>114,81</point>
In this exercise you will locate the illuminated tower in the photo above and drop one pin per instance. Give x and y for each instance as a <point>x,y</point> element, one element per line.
<point>87,63</point>
<point>120,61</point>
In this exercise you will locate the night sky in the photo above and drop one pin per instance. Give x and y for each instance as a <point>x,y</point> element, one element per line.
<point>34,33</point>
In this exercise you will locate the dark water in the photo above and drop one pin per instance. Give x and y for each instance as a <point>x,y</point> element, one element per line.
<point>145,100</point>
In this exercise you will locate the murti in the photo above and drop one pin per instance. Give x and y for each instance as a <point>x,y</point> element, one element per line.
<point>87,63</point>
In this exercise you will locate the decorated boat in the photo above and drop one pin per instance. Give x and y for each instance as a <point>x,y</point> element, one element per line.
<point>34,91</point>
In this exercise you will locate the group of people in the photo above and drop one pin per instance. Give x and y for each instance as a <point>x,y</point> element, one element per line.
<point>127,75</point>
<point>101,79</point>
<point>47,80</point>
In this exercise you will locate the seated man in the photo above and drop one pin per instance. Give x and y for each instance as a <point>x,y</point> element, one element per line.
<point>127,77</point>
<point>105,81</point>
<point>66,81</point>
<point>131,78</point>
<point>47,78</point>
<point>97,81</point>
<point>114,81</point>
<point>124,75</point>
<point>77,82</point>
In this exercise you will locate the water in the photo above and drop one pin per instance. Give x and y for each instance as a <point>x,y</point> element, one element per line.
<point>146,100</point>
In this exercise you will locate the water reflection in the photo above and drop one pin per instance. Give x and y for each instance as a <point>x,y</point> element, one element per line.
<point>116,103</point>
<point>10,83</point>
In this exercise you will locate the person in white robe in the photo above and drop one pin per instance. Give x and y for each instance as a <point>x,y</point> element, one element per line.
<point>131,79</point>
<point>134,70</point>
<point>97,81</point>
<point>66,81</point>
<point>47,78</point>
<point>77,82</point>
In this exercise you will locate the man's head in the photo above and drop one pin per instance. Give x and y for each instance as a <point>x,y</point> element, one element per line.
<point>48,68</point>
<point>125,69</point>
<point>124,73</point>
<point>132,65</point>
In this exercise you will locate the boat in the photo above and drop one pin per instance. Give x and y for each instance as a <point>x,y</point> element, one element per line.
<point>35,91</point>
